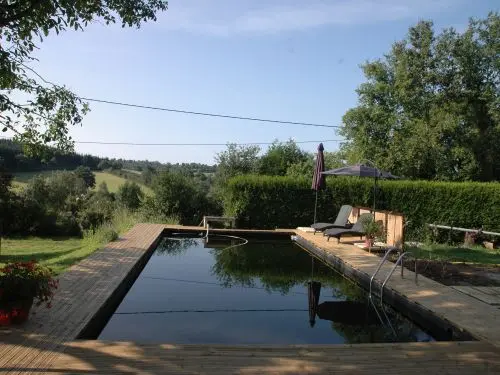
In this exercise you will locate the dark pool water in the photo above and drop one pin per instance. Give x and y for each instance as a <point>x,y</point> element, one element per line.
<point>199,292</point>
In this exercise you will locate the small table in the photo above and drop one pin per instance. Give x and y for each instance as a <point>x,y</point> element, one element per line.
<point>220,219</point>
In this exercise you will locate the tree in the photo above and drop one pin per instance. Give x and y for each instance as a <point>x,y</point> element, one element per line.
<point>97,208</point>
<point>51,108</point>
<point>279,157</point>
<point>116,165</point>
<point>5,195</point>
<point>50,204</point>
<point>58,192</point>
<point>236,160</point>
<point>178,196</point>
<point>306,167</point>
<point>130,195</point>
<point>86,175</point>
<point>431,107</point>
<point>104,164</point>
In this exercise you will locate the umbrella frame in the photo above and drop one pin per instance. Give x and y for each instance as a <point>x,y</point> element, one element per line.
<point>379,174</point>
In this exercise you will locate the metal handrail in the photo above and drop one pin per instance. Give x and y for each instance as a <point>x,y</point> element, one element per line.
<point>436,226</point>
<point>400,260</point>
<point>390,250</point>
<point>387,319</point>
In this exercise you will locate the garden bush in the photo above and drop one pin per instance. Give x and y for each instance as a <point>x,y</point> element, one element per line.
<point>130,195</point>
<point>177,195</point>
<point>287,202</point>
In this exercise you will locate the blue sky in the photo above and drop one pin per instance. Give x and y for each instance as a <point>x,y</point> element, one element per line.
<point>289,60</point>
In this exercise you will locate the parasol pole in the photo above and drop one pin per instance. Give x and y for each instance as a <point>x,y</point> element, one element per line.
<point>315,206</point>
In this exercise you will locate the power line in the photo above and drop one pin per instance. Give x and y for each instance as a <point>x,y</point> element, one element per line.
<point>234,117</point>
<point>206,311</point>
<point>209,283</point>
<point>192,144</point>
<point>196,144</point>
<point>209,114</point>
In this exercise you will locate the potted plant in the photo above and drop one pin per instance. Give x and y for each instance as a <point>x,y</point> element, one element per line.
<point>372,229</point>
<point>21,284</point>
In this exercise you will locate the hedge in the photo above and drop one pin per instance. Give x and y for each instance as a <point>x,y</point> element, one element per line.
<point>285,202</point>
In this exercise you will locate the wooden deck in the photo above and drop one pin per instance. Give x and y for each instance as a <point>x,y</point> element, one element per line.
<point>91,357</point>
<point>486,294</point>
<point>478,318</point>
<point>48,342</point>
<point>83,290</point>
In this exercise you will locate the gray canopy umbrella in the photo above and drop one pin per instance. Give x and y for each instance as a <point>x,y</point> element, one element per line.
<point>362,170</point>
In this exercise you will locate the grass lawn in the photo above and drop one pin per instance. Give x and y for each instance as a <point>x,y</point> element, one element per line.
<point>441,252</point>
<point>114,182</point>
<point>58,253</point>
<point>61,252</point>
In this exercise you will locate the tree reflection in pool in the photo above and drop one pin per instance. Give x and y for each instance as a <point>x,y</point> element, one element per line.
<point>198,291</point>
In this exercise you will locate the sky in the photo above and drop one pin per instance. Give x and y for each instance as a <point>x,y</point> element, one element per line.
<point>286,60</point>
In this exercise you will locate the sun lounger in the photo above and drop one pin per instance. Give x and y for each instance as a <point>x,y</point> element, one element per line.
<point>342,220</point>
<point>356,230</point>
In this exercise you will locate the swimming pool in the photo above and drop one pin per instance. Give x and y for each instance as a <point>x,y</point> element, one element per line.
<point>267,291</point>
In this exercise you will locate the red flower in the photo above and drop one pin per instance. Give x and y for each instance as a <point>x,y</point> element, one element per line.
<point>26,280</point>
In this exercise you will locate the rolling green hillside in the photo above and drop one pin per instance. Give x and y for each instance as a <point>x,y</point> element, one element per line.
<point>114,182</point>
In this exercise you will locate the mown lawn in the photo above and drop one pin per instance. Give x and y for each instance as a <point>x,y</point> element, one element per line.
<point>57,253</point>
<point>114,182</point>
<point>441,252</point>
<point>60,253</point>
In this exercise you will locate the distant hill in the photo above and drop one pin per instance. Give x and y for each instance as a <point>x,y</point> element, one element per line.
<point>13,158</point>
<point>112,181</point>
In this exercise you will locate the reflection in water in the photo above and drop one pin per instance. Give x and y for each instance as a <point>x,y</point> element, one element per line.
<point>197,291</point>
<point>349,313</point>
<point>175,246</point>
<point>279,266</point>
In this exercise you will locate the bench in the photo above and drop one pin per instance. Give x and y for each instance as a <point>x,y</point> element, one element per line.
<point>219,219</point>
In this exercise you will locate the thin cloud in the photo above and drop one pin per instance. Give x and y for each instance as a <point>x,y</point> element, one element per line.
<point>225,17</point>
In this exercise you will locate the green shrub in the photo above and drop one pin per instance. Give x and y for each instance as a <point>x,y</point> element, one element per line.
<point>96,238</point>
<point>86,175</point>
<point>286,202</point>
<point>130,195</point>
<point>150,212</point>
<point>48,206</point>
<point>98,208</point>
<point>177,195</point>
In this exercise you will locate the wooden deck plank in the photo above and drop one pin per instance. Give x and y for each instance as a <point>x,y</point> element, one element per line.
<point>410,358</point>
<point>479,294</point>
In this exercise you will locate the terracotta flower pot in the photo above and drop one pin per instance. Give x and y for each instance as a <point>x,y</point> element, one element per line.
<point>4,317</point>
<point>15,312</point>
<point>369,242</point>
<point>21,310</point>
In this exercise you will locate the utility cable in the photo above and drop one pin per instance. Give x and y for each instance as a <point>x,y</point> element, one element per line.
<point>208,114</point>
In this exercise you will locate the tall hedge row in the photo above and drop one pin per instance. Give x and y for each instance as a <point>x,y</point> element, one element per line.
<point>286,202</point>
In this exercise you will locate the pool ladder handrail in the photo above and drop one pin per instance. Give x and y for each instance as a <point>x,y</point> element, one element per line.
<point>400,260</point>
<point>382,261</point>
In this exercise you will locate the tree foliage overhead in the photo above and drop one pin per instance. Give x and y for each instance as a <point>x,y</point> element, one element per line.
<point>431,107</point>
<point>49,109</point>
